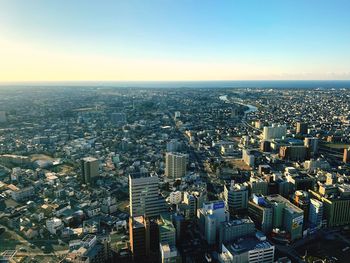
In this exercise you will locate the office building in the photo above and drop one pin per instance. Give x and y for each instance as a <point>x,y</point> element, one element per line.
<point>169,254</point>
<point>336,203</point>
<point>311,144</point>
<point>236,198</point>
<point>293,152</point>
<point>265,146</point>
<point>190,201</point>
<point>143,195</point>
<point>210,217</point>
<point>175,197</point>
<point>274,132</point>
<point>315,212</point>
<point>258,185</point>
<point>167,231</point>
<point>248,157</point>
<point>139,234</point>
<point>261,212</point>
<point>301,199</point>
<point>249,249</point>
<point>286,216</point>
<point>175,165</point>
<point>234,229</point>
<point>301,128</point>
<point>89,170</point>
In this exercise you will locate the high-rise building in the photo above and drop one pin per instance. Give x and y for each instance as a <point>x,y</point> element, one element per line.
<point>311,143</point>
<point>89,169</point>
<point>260,212</point>
<point>336,203</point>
<point>258,185</point>
<point>346,155</point>
<point>293,152</point>
<point>236,198</point>
<point>190,201</point>
<point>234,229</point>
<point>167,231</point>
<point>315,212</point>
<point>286,216</point>
<point>143,195</point>
<point>175,165</point>
<point>301,128</point>
<point>301,199</point>
<point>274,132</point>
<point>139,232</point>
<point>168,253</point>
<point>248,157</point>
<point>210,217</point>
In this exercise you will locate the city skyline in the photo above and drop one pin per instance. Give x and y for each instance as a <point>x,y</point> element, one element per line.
<point>173,41</point>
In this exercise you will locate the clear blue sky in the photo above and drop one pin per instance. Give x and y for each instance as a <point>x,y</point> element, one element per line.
<point>174,40</point>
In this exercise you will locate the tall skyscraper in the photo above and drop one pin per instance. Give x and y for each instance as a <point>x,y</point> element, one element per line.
<point>175,165</point>
<point>143,195</point>
<point>89,169</point>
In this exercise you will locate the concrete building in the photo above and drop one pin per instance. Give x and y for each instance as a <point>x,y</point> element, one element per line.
<point>167,231</point>
<point>236,198</point>
<point>89,170</point>
<point>314,165</point>
<point>315,212</point>
<point>336,203</point>
<point>247,250</point>
<point>293,152</point>
<point>190,201</point>
<point>21,194</point>
<point>248,158</point>
<point>286,216</point>
<point>210,217</point>
<point>168,254</point>
<point>53,225</point>
<point>139,235</point>
<point>301,128</point>
<point>258,185</point>
<point>143,195</point>
<point>274,132</point>
<point>175,165</point>
<point>234,229</point>
<point>311,144</point>
<point>261,212</point>
<point>175,197</point>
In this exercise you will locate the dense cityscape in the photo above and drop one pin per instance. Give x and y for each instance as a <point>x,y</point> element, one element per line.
<point>113,174</point>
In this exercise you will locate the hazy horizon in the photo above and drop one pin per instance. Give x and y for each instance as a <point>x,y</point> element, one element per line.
<point>174,40</point>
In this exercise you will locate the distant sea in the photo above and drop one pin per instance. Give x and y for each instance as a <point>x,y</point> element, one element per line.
<point>323,84</point>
